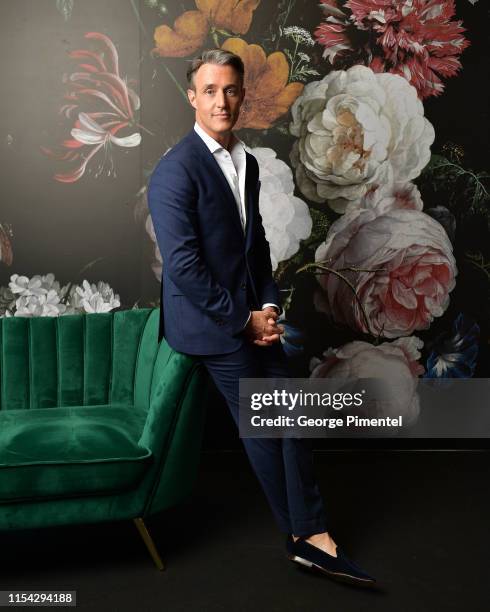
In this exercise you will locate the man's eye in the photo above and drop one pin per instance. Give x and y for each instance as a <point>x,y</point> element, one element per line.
<point>228,91</point>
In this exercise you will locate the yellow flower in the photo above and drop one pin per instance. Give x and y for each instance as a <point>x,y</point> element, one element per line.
<point>188,34</point>
<point>232,15</point>
<point>192,27</point>
<point>268,95</point>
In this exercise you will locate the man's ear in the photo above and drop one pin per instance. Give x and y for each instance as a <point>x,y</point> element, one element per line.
<point>191,95</point>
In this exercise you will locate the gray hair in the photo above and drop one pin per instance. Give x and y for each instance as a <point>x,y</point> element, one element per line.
<point>215,56</point>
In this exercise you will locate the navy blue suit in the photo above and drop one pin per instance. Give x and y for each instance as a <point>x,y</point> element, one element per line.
<point>213,275</point>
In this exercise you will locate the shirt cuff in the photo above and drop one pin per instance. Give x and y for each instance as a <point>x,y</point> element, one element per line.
<point>273,306</point>
<point>249,315</point>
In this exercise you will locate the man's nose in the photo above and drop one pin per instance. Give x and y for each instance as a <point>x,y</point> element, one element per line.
<point>221,100</point>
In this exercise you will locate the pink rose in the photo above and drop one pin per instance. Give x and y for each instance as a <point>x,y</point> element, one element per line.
<point>395,362</point>
<point>406,261</point>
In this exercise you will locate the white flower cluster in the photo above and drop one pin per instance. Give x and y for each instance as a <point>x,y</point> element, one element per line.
<point>286,218</point>
<point>42,296</point>
<point>299,35</point>
<point>92,298</point>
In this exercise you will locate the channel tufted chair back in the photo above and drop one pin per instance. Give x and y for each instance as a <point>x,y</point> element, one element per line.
<point>98,420</point>
<point>76,360</point>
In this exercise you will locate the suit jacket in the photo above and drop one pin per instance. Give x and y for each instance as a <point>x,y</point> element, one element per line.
<point>213,273</point>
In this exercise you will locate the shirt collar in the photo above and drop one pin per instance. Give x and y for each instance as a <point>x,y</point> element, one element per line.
<point>212,144</point>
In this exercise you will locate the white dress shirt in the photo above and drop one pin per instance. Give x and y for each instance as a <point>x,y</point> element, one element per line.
<point>233,164</point>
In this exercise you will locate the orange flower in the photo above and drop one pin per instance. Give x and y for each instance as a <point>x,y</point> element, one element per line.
<point>232,15</point>
<point>192,27</point>
<point>188,34</point>
<point>268,95</point>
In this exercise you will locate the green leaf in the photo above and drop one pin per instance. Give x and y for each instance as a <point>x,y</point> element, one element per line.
<point>458,186</point>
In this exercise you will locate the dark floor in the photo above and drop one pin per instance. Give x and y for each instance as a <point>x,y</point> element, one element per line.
<point>418,521</point>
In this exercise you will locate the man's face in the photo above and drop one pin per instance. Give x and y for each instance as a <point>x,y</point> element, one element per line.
<point>217,98</point>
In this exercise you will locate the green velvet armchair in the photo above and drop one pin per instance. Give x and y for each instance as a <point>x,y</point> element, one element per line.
<point>98,422</point>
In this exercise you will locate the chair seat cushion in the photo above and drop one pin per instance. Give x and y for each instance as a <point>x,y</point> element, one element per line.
<point>70,451</point>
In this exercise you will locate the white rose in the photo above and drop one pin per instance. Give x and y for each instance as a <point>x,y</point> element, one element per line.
<point>356,130</point>
<point>286,218</point>
<point>396,363</point>
<point>390,196</point>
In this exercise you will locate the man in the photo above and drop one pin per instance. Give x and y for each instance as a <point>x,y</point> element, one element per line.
<point>219,298</point>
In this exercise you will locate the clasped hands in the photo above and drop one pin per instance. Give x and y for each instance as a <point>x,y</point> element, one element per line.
<point>262,328</point>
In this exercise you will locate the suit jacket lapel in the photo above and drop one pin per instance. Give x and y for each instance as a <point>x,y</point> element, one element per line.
<point>225,191</point>
<point>250,193</point>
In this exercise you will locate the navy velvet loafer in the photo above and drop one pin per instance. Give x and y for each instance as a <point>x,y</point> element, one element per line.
<point>340,567</point>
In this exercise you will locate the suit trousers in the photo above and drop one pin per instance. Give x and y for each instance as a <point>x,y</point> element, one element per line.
<point>284,466</point>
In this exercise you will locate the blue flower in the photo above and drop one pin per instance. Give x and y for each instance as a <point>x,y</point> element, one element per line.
<point>454,355</point>
<point>292,339</point>
<point>445,217</point>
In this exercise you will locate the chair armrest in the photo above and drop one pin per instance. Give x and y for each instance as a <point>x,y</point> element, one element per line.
<point>172,381</point>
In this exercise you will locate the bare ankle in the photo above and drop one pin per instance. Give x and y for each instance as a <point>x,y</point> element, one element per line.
<point>313,537</point>
<point>318,537</point>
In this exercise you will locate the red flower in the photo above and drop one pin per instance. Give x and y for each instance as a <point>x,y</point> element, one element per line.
<point>413,38</point>
<point>105,105</point>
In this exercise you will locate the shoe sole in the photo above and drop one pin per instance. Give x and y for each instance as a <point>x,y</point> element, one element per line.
<point>335,575</point>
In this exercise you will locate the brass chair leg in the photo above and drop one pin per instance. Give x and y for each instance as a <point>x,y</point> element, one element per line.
<point>150,544</point>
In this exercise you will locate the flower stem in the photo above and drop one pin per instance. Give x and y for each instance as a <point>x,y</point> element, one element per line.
<point>142,127</point>
<point>292,61</point>
<point>177,84</point>
<point>169,72</point>
<point>214,35</point>
<point>67,293</point>
<point>138,17</point>
<point>281,26</point>
<point>347,282</point>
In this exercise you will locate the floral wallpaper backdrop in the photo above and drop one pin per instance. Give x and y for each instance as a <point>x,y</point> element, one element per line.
<point>369,119</point>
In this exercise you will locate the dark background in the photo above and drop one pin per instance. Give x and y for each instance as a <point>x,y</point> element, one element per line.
<point>60,228</point>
